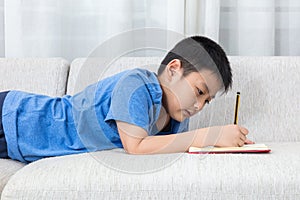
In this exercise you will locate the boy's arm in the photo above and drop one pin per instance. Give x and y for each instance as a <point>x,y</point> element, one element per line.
<point>135,140</point>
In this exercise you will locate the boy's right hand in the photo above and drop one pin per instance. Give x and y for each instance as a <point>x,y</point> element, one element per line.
<point>232,135</point>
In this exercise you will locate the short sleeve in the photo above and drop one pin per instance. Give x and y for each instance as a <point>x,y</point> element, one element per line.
<point>135,101</point>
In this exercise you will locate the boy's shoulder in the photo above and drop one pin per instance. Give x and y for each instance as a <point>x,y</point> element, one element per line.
<point>141,72</point>
<point>131,73</point>
<point>129,81</point>
<point>140,82</point>
<point>135,76</point>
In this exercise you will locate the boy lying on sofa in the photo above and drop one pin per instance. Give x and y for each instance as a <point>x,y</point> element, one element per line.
<point>138,110</point>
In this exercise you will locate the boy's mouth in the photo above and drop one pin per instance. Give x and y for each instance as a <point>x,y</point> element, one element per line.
<point>187,113</point>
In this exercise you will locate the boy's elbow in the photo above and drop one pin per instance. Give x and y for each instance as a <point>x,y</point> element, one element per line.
<point>131,137</point>
<point>136,148</point>
<point>132,150</point>
<point>141,148</point>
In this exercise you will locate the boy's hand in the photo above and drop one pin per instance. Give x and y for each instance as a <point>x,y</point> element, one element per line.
<point>232,135</point>
<point>249,142</point>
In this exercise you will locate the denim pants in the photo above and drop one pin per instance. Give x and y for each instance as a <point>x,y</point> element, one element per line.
<point>3,145</point>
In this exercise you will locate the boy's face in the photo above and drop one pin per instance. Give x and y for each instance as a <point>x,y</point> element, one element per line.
<point>185,96</point>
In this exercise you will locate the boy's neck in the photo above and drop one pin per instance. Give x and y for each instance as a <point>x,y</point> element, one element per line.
<point>163,120</point>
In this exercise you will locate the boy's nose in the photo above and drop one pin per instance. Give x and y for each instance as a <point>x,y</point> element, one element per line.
<point>199,105</point>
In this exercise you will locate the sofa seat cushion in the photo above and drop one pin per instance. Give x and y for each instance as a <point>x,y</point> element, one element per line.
<point>7,169</point>
<point>114,174</point>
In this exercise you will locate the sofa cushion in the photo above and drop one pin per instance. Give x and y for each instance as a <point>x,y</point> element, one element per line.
<point>39,75</point>
<point>114,174</point>
<point>7,169</point>
<point>269,87</point>
<point>85,71</point>
<point>269,100</point>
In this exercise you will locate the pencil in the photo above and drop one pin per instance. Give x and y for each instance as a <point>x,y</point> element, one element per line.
<point>237,103</point>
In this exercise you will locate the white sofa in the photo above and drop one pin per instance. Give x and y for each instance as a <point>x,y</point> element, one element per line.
<point>269,108</point>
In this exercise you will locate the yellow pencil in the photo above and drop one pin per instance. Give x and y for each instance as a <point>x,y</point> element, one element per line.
<point>237,103</point>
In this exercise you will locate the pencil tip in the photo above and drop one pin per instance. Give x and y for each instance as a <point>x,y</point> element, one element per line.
<point>238,93</point>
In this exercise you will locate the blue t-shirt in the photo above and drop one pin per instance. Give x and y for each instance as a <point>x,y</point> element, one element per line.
<point>38,126</point>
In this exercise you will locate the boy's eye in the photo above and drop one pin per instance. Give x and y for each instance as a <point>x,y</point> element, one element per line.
<point>200,92</point>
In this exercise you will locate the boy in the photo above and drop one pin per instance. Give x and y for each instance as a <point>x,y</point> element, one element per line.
<point>136,110</point>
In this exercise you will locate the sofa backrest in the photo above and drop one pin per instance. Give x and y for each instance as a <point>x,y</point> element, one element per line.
<point>85,71</point>
<point>269,100</point>
<point>269,87</point>
<point>39,75</point>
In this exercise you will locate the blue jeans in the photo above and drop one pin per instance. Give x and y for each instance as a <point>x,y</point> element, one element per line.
<point>3,145</point>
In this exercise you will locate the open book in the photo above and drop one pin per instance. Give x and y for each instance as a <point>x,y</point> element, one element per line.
<point>248,148</point>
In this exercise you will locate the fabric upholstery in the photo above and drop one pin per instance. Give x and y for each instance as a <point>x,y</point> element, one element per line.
<point>38,75</point>
<point>269,108</point>
<point>7,169</point>
<point>269,89</point>
<point>85,71</point>
<point>269,100</point>
<point>117,175</point>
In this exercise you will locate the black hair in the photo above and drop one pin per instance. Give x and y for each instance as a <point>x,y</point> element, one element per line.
<point>198,52</point>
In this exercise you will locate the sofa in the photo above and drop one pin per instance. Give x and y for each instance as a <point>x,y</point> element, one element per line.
<point>269,108</point>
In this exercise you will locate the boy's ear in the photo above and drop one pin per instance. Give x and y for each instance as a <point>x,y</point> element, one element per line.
<point>174,68</point>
